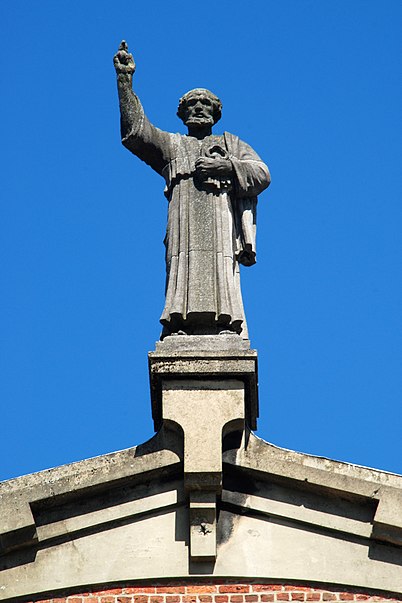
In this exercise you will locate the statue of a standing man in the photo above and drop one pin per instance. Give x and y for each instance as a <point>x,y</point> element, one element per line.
<point>212,183</point>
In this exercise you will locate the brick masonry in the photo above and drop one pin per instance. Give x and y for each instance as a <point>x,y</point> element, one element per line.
<point>214,593</point>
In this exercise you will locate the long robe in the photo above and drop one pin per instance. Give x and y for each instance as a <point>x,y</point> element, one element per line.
<point>210,229</point>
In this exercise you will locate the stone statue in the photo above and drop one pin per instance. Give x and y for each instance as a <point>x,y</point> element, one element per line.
<point>212,183</point>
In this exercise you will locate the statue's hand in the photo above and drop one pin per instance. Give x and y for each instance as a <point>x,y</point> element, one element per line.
<point>216,166</point>
<point>123,60</point>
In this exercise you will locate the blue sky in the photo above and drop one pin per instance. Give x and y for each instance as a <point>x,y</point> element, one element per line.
<point>314,87</point>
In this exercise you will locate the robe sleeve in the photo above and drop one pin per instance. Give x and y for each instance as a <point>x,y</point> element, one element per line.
<point>251,177</point>
<point>149,143</point>
<point>251,174</point>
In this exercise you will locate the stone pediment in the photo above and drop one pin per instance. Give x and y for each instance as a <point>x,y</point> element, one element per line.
<point>124,517</point>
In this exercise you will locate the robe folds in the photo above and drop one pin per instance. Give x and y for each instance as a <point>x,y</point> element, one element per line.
<point>211,226</point>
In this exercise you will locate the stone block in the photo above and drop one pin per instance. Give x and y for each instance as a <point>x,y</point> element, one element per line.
<point>220,357</point>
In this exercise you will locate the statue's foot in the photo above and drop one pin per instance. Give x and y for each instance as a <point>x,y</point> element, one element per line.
<point>178,333</point>
<point>227,332</point>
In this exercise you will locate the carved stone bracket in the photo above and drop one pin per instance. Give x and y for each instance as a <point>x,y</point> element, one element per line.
<point>206,385</point>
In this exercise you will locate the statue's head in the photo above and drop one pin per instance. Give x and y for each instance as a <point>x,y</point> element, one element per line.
<point>199,108</point>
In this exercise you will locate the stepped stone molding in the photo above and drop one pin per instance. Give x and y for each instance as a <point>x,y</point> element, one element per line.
<point>124,517</point>
<point>204,499</point>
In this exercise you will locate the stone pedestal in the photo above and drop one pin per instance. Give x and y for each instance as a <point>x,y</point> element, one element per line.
<point>206,386</point>
<point>217,357</point>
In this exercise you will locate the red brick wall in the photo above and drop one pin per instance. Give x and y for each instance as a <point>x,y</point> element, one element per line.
<point>215,593</point>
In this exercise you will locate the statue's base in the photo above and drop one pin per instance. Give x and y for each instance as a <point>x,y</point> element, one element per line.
<point>205,386</point>
<point>204,357</point>
<point>204,343</point>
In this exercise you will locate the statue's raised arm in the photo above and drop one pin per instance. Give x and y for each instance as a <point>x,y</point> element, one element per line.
<point>125,68</point>
<point>137,133</point>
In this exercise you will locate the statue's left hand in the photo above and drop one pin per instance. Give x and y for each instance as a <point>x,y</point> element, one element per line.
<point>216,166</point>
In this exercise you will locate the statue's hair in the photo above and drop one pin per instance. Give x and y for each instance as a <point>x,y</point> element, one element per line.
<point>216,103</point>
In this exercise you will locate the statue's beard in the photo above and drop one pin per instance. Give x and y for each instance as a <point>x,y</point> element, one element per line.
<point>201,121</point>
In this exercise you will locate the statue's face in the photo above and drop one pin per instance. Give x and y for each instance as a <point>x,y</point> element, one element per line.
<point>198,112</point>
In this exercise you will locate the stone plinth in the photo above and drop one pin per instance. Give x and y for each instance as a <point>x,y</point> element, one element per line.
<point>208,357</point>
<point>206,386</point>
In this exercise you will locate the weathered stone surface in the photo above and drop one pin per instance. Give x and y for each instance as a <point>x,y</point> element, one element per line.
<point>202,343</point>
<point>19,496</point>
<point>212,183</point>
<point>191,404</point>
<point>338,479</point>
<point>204,357</point>
<point>124,517</point>
<point>203,408</point>
<point>202,515</point>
